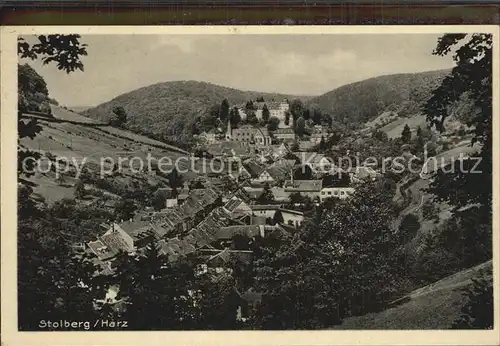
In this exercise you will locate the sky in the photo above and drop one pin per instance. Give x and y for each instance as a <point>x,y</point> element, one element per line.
<point>288,64</point>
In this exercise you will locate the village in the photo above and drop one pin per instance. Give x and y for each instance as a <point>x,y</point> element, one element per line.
<point>270,181</point>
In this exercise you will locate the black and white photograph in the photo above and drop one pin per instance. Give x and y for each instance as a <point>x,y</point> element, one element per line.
<point>252,181</point>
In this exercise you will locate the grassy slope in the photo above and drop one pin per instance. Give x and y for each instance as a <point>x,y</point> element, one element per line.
<point>169,108</point>
<point>435,306</point>
<point>92,142</point>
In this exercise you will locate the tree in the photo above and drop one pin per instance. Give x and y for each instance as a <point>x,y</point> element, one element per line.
<point>273,124</point>
<point>278,217</point>
<point>341,266</point>
<point>119,117</point>
<point>296,109</point>
<point>409,227</point>
<point>380,135</point>
<point>64,50</point>
<point>304,172</point>
<point>406,134</point>
<point>50,274</point>
<point>265,114</point>
<point>461,131</point>
<point>224,111</point>
<point>249,106</point>
<point>300,127</point>
<point>234,117</point>
<point>296,198</point>
<point>175,180</point>
<point>210,118</point>
<point>471,77</point>
<point>287,118</point>
<point>60,179</point>
<point>419,141</point>
<point>52,280</point>
<point>477,313</point>
<point>219,303</point>
<point>125,209</point>
<point>159,200</point>
<point>267,195</point>
<point>260,99</point>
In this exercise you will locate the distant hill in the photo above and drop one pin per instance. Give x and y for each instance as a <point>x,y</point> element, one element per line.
<point>169,109</point>
<point>360,102</point>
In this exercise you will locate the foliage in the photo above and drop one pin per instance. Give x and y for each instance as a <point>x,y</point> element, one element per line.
<point>171,110</point>
<point>33,94</point>
<point>355,104</point>
<point>252,117</point>
<point>64,50</point>
<point>224,111</point>
<point>159,200</point>
<point>267,195</point>
<point>409,227</point>
<point>380,135</point>
<point>287,118</point>
<point>300,127</point>
<point>343,265</point>
<point>296,109</point>
<point>54,281</point>
<point>125,209</point>
<point>119,117</point>
<point>265,113</point>
<point>234,117</point>
<point>472,77</point>
<point>158,292</point>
